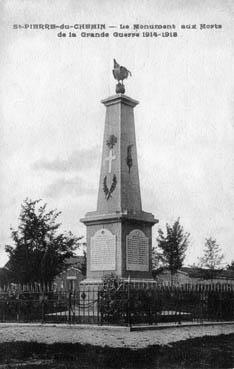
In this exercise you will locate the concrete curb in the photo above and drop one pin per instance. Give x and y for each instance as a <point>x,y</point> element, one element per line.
<point>67,326</point>
<point>117,328</point>
<point>185,325</point>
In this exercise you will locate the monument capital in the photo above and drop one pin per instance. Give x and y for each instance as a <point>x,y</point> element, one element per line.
<point>120,98</point>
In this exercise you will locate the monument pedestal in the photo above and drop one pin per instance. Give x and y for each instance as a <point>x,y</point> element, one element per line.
<point>119,243</point>
<point>119,233</point>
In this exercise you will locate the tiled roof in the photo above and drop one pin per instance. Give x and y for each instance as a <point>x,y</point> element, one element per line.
<point>200,272</point>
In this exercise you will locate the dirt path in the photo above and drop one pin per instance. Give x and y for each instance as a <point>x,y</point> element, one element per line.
<point>107,337</point>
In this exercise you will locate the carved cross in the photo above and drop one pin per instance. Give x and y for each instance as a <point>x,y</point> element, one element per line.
<point>109,159</point>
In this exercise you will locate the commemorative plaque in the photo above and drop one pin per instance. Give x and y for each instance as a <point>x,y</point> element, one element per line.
<point>103,251</point>
<point>137,251</point>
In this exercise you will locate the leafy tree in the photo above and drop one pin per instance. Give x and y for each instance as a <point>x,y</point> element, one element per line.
<point>173,245</point>
<point>231,266</point>
<point>5,277</point>
<point>111,294</point>
<point>158,259</point>
<point>212,258</point>
<point>111,282</point>
<point>40,250</point>
<point>84,263</point>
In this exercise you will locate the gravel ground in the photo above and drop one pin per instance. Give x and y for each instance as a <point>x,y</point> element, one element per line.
<point>115,337</point>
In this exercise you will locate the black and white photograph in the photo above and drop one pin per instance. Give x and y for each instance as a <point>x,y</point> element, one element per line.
<point>117,184</point>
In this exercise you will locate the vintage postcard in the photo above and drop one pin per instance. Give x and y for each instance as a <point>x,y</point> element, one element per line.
<point>119,115</point>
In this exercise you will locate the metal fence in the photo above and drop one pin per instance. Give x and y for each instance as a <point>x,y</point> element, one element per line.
<point>125,305</point>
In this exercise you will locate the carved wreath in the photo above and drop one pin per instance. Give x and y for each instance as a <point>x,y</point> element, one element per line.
<point>108,191</point>
<point>111,141</point>
<point>129,157</point>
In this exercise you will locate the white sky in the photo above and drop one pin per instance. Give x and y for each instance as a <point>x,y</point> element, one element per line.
<point>52,121</point>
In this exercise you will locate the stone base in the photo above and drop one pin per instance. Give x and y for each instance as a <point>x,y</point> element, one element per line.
<point>90,283</point>
<point>89,289</point>
<point>141,283</point>
<point>120,89</point>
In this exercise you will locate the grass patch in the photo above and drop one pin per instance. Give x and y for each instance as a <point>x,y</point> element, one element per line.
<point>206,352</point>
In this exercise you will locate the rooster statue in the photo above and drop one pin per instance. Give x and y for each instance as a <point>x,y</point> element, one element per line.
<point>120,73</point>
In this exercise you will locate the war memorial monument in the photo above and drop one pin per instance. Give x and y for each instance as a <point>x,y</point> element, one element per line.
<point>119,232</point>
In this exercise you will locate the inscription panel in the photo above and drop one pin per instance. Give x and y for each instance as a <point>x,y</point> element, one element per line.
<point>137,251</point>
<point>103,251</point>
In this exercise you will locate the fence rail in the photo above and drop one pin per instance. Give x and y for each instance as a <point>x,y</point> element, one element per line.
<point>125,305</point>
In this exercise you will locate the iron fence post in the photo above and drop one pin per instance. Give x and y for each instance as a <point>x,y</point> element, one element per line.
<point>69,306</point>
<point>98,315</point>
<point>179,305</point>
<point>129,305</point>
<point>221,306</point>
<point>4,310</point>
<point>18,307</point>
<point>43,308</point>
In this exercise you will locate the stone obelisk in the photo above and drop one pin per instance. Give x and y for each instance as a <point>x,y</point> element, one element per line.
<point>119,233</point>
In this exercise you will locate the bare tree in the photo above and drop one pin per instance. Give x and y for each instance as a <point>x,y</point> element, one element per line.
<point>212,258</point>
